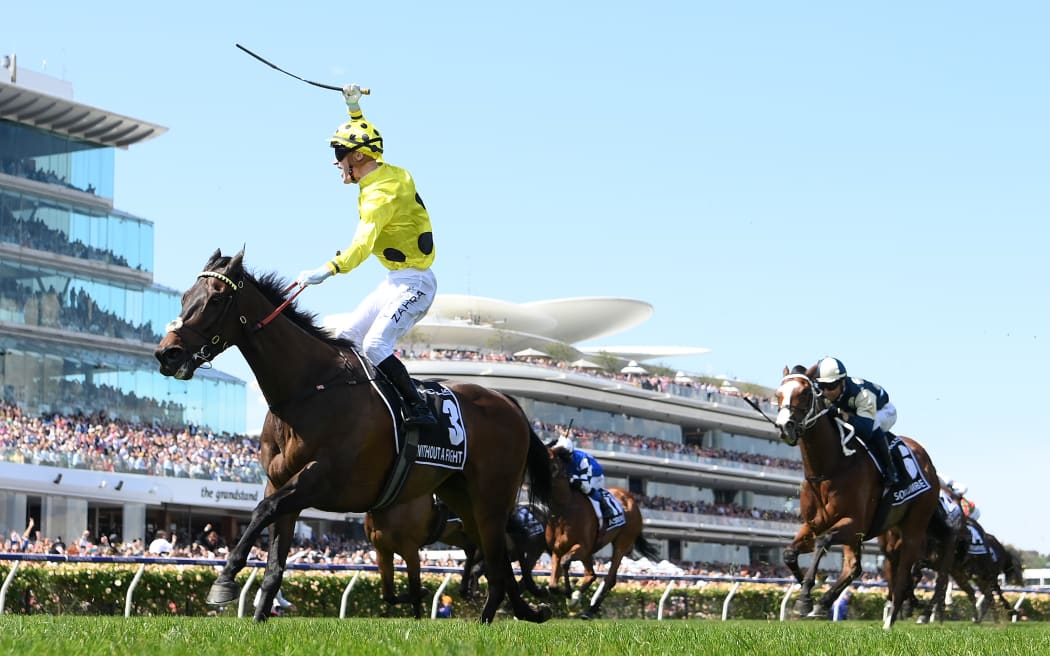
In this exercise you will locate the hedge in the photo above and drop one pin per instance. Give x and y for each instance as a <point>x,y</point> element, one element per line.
<point>100,589</point>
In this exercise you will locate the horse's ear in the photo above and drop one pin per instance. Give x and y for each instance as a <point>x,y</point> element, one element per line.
<point>786,371</point>
<point>213,259</point>
<point>237,263</point>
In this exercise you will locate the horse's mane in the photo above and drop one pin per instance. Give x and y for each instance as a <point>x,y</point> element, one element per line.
<point>272,287</point>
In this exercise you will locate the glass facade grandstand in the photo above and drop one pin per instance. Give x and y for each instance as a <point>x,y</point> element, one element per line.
<point>80,314</point>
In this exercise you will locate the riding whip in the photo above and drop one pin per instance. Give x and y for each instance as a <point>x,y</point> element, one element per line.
<point>364,91</point>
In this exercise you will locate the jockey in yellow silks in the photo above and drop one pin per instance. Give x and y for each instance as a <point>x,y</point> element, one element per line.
<point>395,227</point>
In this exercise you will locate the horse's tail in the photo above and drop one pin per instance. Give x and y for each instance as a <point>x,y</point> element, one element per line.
<point>538,463</point>
<point>646,548</point>
<point>538,466</point>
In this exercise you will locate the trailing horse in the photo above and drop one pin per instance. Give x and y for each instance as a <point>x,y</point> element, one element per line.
<point>574,532</point>
<point>330,440</point>
<point>842,500</point>
<point>984,559</point>
<point>405,528</point>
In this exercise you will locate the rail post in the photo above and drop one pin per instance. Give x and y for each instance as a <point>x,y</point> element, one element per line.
<point>729,597</point>
<point>787,597</point>
<point>244,591</point>
<point>7,582</point>
<point>346,594</point>
<point>663,598</point>
<point>131,589</point>
<point>437,597</point>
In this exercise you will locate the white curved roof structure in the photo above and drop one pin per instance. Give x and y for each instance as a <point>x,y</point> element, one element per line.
<point>474,323</point>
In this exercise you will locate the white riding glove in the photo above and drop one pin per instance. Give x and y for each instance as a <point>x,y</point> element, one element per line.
<point>314,276</point>
<point>352,94</point>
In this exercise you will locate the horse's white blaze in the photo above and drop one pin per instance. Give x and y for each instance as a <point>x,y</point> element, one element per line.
<point>787,391</point>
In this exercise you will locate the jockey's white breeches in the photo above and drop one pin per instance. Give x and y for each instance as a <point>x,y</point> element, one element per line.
<point>390,311</point>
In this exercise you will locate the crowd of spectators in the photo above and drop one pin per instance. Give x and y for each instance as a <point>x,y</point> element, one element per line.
<point>98,442</point>
<point>678,385</point>
<point>76,311</point>
<point>36,234</point>
<point>26,168</point>
<point>594,439</point>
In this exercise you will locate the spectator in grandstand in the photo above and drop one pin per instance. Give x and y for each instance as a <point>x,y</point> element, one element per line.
<point>864,405</point>
<point>160,545</point>
<point>586,474</point>
<point>19,542</point>
<point>58,546</point>
<point>395,227</point>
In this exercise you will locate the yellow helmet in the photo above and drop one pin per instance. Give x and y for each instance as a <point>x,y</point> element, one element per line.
<point>359,134</point>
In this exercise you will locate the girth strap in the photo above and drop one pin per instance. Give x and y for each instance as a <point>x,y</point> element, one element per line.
<point>404,461</point>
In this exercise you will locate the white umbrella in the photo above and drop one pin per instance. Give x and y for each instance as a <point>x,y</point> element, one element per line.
<point>585,364</point>
<point>633,368</point>
<point>680,377</point>
<point>531,353</point>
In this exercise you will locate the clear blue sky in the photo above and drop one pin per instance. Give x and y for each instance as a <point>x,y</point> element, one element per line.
<point>781,181</point>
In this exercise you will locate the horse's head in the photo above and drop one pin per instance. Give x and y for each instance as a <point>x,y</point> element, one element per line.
<point>1012,567</point>
<point>209,322</point>
<point>799,402</point>
<point>560,461</point>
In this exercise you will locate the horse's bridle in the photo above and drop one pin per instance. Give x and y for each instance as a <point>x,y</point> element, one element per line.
<point>815,411</point>
<point>205,354</point>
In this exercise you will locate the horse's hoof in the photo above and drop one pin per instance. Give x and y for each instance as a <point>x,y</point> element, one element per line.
<point>923,619</point>
<point>543,613</point>
<point>222,593</point>
<point>816,614</point>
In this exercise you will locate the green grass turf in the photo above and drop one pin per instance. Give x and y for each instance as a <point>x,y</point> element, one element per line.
<point>189,636</point>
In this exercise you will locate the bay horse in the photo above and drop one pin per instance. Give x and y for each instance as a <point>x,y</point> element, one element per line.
<point>840,497</point>
<point>328,440</point>
<point>575,533</point>
<point>983,569</point>
<point>404,528</point>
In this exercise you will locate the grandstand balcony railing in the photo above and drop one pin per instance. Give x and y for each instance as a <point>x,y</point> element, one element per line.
<point>662,454</point>
<point>246,473</point>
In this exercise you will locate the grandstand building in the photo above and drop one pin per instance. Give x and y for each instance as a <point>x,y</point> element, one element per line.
<point>80,312</point>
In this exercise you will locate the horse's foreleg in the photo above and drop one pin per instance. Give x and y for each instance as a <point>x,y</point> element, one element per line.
<point>225,588</point>
<point>388,590</point>
<point>804,605</point>
<point>962,582</point>
<point>608,583</point>
<point>298,493</point>
<point>1010,612</point>
<point>527,563</point>
<point>277,556</point>
<point>415,587</point>
<point>935,609</point>
<point>803,543</point>
<point>850,571</point>
<point>901,580</point>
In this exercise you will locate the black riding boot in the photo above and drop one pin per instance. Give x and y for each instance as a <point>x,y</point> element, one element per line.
<point>608,512</point>
<point>417,410</point>
<point>879,445</point>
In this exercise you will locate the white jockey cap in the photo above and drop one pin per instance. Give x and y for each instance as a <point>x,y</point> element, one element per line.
<point>565,442</point>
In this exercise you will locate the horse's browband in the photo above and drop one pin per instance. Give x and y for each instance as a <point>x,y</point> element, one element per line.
<point>219,276</point>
